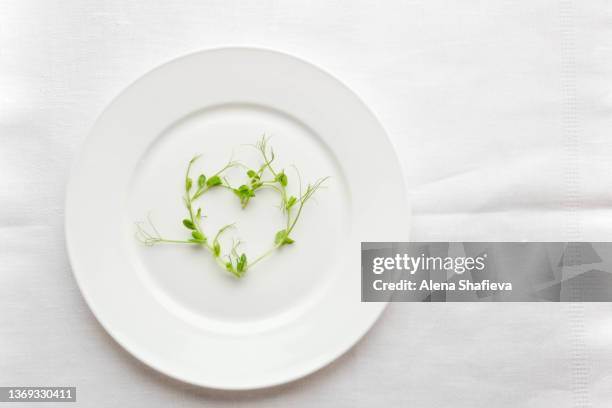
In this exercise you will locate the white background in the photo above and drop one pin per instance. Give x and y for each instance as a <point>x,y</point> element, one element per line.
<point>501,112</point>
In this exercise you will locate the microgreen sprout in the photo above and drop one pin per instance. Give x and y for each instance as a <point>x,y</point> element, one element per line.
<point>265,176</point>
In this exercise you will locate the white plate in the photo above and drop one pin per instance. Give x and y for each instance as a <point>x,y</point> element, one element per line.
<point>171,306</point>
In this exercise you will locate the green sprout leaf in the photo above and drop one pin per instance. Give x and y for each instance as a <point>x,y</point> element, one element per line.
<point>282,238</point>
<point>241,265</point>
<point>189,224</point>
<point>198,236</point>
<point>290,202</point>
<point>213,181</point>
<point>201,180</point>
<point>188,183</point>
<point>282,178</point>
<point>244,193</point>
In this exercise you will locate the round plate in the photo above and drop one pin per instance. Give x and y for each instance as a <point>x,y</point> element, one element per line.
<point>170,305</point>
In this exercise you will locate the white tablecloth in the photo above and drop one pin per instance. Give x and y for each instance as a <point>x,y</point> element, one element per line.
<point>501,112</point>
